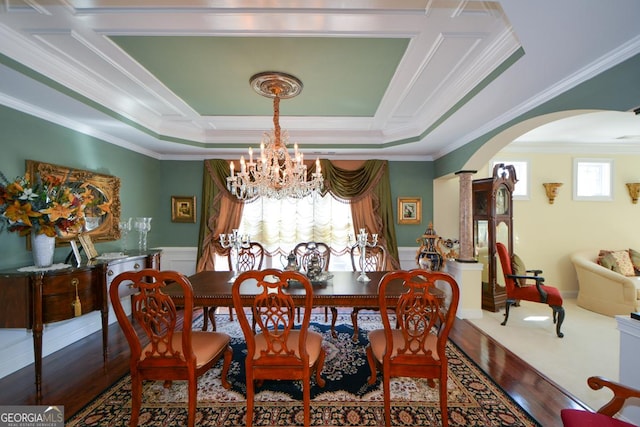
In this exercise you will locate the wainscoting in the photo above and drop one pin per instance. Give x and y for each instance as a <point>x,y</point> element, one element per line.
<point>16,351</point>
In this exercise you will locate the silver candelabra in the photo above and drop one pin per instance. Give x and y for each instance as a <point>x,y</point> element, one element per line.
<point>235,242</point>
<point>362,240</point>
<point>142,225</point>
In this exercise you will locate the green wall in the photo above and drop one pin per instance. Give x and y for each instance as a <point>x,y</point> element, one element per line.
<point>412,179</point>
<point>179,178</point>
<point>26,137</point>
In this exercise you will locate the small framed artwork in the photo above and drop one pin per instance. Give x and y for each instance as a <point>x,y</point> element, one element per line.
<point>409,210</point>
<point>76,252</point>
<point>87,245</point>
<point>183,208</point>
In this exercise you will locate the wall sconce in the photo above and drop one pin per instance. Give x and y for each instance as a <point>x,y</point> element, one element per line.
<point>552,190</point>
<point>634,191</point>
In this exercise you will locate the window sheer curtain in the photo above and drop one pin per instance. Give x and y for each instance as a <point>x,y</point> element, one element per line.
<point>315,218</point>
<point>365,186</point>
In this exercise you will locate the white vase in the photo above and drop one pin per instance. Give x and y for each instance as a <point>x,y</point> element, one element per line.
<point>42,247</point>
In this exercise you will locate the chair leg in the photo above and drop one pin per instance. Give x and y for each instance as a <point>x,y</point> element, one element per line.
<point>136,399</point>
<point>508,304</point>
<point>212,318</point>
<point>205,316</point>
<point>226,364</point>
<point>209,315</point>
<point>354,322</point>
<point>192,400</point>
<point>387,398</point>
<point>250,397</point>
<point>334,318</point>
<point>559,310</point>
<point>306,402</point>
<point>319,366</point>
<point>443,397</point>
<point>231,314</point>
<point>373,368</point>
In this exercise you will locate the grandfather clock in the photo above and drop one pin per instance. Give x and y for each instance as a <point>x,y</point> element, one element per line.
<point>493,222</point>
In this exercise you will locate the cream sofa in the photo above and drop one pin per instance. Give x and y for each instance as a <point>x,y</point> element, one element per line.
<point>602,290</point>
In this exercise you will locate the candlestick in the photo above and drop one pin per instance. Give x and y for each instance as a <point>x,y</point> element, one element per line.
<point>235,241</point>
<point>362,240</point>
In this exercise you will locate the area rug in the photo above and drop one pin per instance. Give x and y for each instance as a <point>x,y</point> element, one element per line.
<point>346,400</point>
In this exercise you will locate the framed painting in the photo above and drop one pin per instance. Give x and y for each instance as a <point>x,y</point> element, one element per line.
<point>101,226</point>
<point>183,208</point>
<point>87,245</point>
<point>409,210</point>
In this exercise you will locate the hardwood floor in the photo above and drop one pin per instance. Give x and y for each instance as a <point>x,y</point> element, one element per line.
<point>75,375</point>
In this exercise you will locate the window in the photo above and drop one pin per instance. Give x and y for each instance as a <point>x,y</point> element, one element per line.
<point>521,189</point>
<point>280,224</point>
<point>592,179</point>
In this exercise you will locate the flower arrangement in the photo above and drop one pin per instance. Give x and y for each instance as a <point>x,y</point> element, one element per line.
<point>47,205</point>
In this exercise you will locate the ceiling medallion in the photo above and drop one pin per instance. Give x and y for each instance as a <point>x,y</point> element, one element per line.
<point>275,174</point>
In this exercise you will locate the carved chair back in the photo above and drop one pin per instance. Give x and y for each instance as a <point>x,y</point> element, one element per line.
<point>306,250</point>
<point>375,258</point>
<point>250,258</point>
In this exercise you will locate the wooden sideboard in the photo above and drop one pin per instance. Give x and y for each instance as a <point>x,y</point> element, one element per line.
<point>34,299</point>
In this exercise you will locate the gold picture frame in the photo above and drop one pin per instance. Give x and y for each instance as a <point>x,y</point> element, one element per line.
<point>104,227</point>
<point>409,210</point>
<point>183,209</point>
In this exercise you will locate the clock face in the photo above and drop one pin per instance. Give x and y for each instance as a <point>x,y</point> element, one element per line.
<point>502,203</point>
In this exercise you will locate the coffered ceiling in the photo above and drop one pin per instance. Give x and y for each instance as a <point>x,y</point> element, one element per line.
<point>396,79</point>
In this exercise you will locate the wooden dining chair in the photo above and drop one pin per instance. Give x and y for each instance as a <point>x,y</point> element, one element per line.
<point>249,258</point>
<point>303,252</point>
<point>160,349</point>
<point>417,346</point>
<point>375,259</point>
<point>278,350</point>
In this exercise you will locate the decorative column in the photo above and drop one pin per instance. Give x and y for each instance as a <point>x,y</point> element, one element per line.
<point>466,217</point>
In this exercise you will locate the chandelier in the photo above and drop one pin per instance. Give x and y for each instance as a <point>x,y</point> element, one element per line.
<point>275,173</point>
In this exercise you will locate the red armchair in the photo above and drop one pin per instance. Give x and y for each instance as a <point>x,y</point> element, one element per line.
<point>604,416</point>
<point>538,293</point>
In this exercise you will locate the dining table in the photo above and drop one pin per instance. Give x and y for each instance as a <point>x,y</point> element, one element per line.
<point>341,289</point>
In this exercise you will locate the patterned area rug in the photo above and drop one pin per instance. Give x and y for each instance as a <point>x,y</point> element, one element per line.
<point>346,400</point>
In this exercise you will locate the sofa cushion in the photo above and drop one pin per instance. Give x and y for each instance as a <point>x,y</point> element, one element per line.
<point>635,260</point>
<point>624,262</point>
<point>607,260</point>
<point>519,269</point>
<point>618,261</point>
